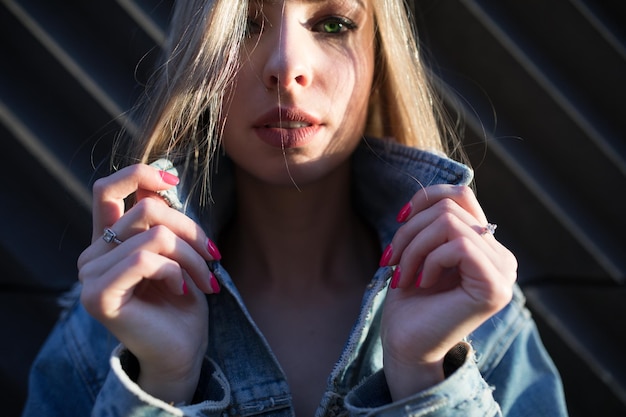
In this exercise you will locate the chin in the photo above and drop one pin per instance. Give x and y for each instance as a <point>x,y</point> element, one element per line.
<point>296,175</point>
<point>293,177</point>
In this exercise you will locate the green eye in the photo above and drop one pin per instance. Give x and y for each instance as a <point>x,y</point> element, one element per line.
<point>333,27</point>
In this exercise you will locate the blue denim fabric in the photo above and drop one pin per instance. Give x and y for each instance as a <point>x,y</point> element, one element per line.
<point>502,369</point>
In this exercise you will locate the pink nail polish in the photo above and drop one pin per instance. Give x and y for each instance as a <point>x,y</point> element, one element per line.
<point>215,286</point>
<point>185,288</point>
<point>387,253</point>
<point>418,283</point>
<point>213,251</point>
<point>404,213</point>
<point>395,278</point>
<point>168,178</point>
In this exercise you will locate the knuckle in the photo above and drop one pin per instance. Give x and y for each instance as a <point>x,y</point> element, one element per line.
<point>138,258</point>
<point>497,295</point>
<point>164,236</point>
<point>513,261</point>
<point>402,230</point>
<point>100,186</point>
<point>504,294</point>
<point>447,219</point>
<point>446,205</point>
<point>87,271</point>
<point>513,265</point>
<point>404,233</point>
<point>463,245</point>
<point>145,207</point>
<point>510,265</point>
<point>133,170</point>
<point>464,192</point>
<point>83,259</point>
<point>92,301</point>
<point>159,232</point>
<point>84,273</point>
<point>141,260</point>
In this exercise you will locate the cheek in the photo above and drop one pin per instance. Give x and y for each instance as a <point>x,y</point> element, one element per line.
<point>351,71</point>
<point>352,89</point>
<point>247,77</point>
<point>237,99</point>
<point>344,81</point>
<point>235,95</point>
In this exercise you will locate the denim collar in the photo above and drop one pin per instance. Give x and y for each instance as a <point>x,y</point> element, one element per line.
<point>386,175</point>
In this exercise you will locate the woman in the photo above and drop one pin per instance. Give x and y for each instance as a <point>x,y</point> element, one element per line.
<point>270,111</point>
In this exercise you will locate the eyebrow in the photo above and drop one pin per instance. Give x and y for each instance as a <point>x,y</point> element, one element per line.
<point>358,3</point>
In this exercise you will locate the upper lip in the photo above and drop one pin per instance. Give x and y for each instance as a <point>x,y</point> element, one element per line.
<point>286,117</point>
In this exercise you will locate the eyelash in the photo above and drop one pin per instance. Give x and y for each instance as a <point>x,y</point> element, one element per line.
<point>253,26</point>
<point>344,25</point>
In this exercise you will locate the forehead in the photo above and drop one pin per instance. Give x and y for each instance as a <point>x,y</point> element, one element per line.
<point>354,3</point>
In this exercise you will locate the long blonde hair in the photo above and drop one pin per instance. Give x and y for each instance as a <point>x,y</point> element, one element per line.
<point>181,110</point>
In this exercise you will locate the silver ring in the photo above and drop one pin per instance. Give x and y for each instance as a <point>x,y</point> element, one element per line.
<point>489,228</point>
<point>110,236</point>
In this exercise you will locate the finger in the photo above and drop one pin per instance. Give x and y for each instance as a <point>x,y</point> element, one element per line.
<point>110,192</point>
<point>420,221</point>
<point>447,227</point>
<point>479,277</point>
<point>143,194</point>
<point>427,197</point>
<point>149,213</point>
<point>162,241</point>
<point>105,296</point>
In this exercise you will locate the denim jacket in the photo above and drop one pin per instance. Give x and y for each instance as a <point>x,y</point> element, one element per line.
<point>501,369</point>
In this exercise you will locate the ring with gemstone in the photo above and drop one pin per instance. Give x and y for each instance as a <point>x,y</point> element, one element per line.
<point>110,236</point>
<point>489,228</point>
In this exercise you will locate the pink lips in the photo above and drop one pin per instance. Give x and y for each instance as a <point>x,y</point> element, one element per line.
<point>287,127</point>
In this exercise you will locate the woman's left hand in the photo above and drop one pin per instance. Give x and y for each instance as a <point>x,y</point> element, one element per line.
<point>451,275</point>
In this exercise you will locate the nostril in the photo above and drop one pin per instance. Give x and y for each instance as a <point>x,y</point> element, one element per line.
<point>274,80</point>
<point>288,80</point>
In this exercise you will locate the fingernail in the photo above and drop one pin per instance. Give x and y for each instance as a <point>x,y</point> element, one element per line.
<point>404,213</point>
<point>395,278</point>
<point>215,286</point>
<point>185,288</point>
<point>384,259</point>
<point>418,283</point>
<point>168,178</point>
<point>213,251</point>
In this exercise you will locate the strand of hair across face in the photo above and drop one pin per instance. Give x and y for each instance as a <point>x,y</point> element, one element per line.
<point>280,113</point>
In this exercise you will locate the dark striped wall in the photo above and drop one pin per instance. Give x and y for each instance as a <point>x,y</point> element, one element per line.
<point>539,82</point>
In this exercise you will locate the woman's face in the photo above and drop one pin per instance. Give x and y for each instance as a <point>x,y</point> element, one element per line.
<point>299,106</point>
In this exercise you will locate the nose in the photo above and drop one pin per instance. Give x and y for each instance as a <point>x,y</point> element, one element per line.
<point>289,58</point>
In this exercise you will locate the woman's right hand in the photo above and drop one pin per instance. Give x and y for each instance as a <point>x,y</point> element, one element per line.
<point>149,289</point>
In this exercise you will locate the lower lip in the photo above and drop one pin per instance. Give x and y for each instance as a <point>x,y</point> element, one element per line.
<point>287,138</point>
